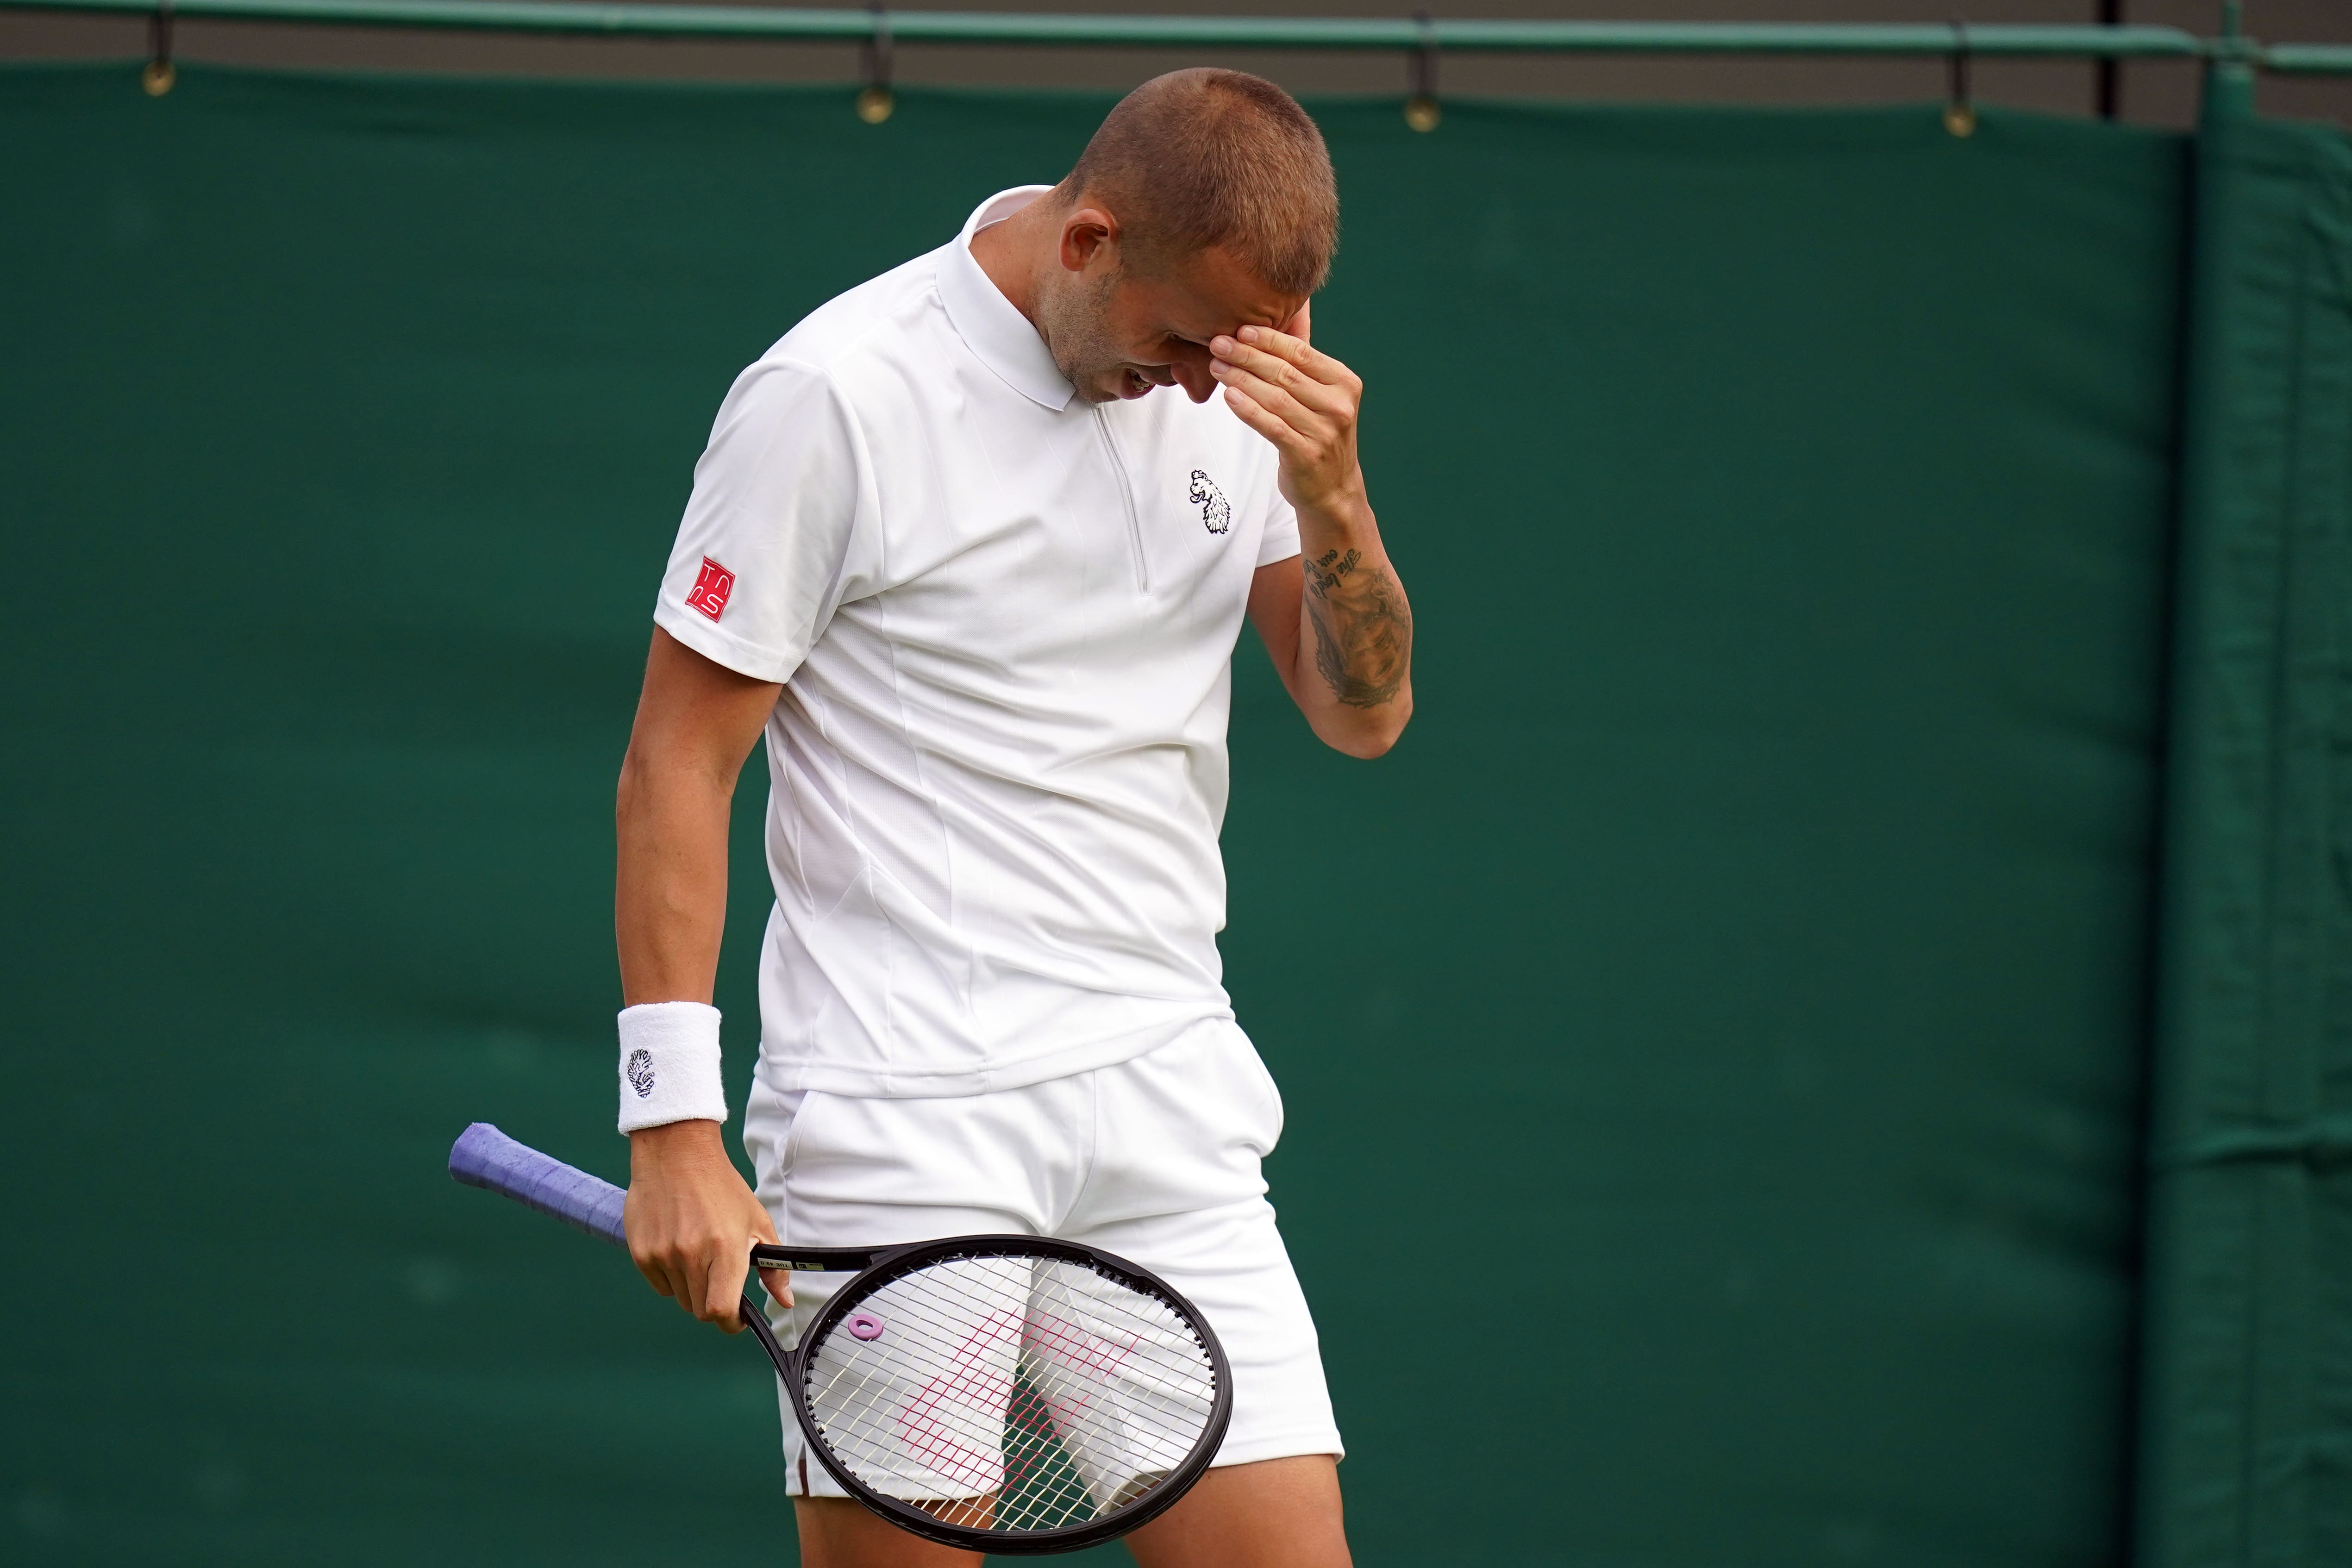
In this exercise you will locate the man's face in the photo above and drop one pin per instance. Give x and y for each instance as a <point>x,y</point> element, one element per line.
<point>1117,331</point>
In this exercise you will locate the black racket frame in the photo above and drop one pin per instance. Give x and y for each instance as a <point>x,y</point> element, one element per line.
<point>877,1267</point>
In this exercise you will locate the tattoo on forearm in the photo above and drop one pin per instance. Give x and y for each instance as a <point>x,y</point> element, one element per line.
<point>1364,628</point>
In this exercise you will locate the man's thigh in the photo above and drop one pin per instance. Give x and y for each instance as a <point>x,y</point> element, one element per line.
<point>838,1533</point>
<point>1276,1513</point>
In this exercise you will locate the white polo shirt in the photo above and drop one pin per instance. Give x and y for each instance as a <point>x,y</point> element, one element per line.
<point>1005,620</point>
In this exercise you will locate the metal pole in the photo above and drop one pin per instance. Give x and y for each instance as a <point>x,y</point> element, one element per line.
<point>622,18</point>
<point>2110,69</point>
<point>2229,69</point>
<point>1398,33</point>
<point>2311,59</point>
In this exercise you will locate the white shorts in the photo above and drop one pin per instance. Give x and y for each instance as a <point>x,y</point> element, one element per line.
<point>1154,1160</point>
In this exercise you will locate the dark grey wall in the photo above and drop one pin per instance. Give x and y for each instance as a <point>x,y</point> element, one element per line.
<point>2155,93</point>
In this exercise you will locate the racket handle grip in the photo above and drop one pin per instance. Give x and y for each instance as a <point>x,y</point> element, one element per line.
<point>485,1157</point>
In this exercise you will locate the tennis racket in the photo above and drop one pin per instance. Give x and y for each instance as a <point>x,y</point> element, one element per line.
<point>1008,1394</point>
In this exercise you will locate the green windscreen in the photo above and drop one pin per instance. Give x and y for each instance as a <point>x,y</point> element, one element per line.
<point>1713,1040</point>
<point>2247,1403</point>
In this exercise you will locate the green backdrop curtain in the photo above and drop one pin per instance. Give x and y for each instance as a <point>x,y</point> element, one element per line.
<point>2248,1393</point>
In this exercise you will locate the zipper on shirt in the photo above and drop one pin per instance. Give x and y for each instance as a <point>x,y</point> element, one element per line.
<point>1126,495</point>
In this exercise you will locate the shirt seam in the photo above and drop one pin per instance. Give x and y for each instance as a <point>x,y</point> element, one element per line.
<point>879,608</point>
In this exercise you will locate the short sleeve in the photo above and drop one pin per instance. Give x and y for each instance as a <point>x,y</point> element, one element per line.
<point>770,530</point>
<point>1279,542</point>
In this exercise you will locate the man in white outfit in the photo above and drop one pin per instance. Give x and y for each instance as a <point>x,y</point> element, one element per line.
<point>981,589</point>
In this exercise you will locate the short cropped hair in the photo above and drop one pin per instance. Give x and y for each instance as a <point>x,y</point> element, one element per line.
<point>1202,159</point>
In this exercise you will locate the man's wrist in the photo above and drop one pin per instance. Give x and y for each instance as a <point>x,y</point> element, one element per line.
<point>670,1065</point>
<point>674,1148</point>
<point>1345,512</point>
<point>675,1135</point>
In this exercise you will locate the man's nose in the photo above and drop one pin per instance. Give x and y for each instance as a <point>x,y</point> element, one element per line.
<point>1194,377</point>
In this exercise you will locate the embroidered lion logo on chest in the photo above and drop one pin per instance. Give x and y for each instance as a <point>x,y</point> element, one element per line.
<point>1216,512</point>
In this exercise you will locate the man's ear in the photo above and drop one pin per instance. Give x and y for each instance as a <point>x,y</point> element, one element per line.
<point>1088,234</point>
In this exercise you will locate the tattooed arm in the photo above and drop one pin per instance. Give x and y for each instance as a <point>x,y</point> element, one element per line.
<point>1335,617</point>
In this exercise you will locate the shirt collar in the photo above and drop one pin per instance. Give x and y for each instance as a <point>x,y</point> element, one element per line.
<point>991,324</point>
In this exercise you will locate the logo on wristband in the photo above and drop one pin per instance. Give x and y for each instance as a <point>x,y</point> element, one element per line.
<point>641,1072</point>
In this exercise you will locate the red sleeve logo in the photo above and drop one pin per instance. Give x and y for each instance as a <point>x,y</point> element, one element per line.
<point>711,588</point>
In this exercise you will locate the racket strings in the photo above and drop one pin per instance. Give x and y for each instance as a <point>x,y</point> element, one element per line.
<point>1010,1394</point>
<point>1036,1413</point>
<point>945,1414</point>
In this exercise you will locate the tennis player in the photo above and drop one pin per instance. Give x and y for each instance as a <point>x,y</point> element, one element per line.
<point>978,573</point>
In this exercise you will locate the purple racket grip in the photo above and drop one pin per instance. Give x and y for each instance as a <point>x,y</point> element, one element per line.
<point>485,1157</point>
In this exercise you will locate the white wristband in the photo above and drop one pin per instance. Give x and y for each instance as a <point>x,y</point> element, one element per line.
<point>670,1065</point>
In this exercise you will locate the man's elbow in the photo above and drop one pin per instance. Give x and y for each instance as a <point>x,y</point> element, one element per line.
<point>630,791</point>
<point>650,786</point>
<point>1365,732</point>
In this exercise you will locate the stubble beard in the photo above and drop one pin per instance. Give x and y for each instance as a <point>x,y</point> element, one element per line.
<point>1078,334</point>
